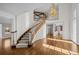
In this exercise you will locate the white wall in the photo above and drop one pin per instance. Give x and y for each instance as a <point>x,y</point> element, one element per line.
<point>64,14</point>
<point>31,18</point>
<point>64,18</point>
<point>0,31</point>
<point>0,35</point>
<point>77,23</point>
<point>74,29</point>
<point>9,19</point>
<point>22,24</point>
<point>40,34</point>
<point>73,23</point>
<point>5,14</point>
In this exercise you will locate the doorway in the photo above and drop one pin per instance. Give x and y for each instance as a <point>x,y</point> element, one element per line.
<point>49,31</point>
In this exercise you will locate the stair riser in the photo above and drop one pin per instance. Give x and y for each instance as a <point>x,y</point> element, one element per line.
<point>22,46</point>
<point>26,35</point>
<point>23,42</point>
<point>24,38</point>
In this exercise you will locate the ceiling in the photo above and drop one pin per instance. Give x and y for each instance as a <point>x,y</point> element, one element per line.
<point>4,20</point>
<point>18,8</point>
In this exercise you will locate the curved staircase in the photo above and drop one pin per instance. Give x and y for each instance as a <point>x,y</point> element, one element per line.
<point>26,38</point>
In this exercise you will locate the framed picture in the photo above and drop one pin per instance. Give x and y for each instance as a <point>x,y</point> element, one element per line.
<point>59,28</point>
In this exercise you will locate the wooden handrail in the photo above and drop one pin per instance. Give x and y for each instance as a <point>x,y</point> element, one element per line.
<point>38,27</point>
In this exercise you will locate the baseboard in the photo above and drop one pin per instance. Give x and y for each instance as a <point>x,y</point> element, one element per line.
<point>67,39</point>
<point>75,42</point>
<point>13,46</point>
<point>72,41</point>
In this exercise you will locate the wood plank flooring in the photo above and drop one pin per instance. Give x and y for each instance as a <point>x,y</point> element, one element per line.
<point>47,46</point>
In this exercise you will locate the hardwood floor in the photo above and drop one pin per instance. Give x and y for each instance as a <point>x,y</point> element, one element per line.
<point>47,46</point>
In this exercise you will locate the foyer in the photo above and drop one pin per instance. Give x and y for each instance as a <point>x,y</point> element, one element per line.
<point>39,29</point>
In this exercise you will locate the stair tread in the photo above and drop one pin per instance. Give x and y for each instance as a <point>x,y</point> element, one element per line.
<point>23,41</point>
<point>22,44</point>
<point>24,38</point>
<point>26,34</point>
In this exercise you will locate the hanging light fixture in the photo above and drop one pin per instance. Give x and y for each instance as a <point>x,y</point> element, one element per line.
<point>7,29</point>
<point>53,10</point>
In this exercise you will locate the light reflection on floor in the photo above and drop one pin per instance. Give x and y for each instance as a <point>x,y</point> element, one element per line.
<point>7,43</point>
<point>60,49</point>
<point>72,51</point>
<point>60,40</point>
